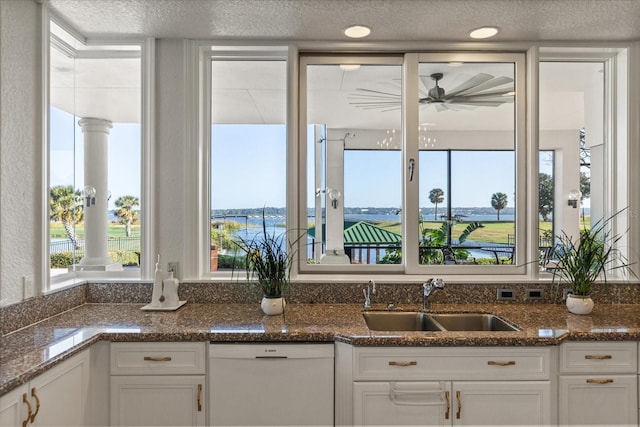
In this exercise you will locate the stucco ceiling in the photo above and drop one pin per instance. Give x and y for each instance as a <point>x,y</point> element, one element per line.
<point>399,20</point>
<point>391,20</point>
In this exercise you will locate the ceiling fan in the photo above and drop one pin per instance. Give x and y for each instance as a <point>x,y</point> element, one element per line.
<point>480,90</point>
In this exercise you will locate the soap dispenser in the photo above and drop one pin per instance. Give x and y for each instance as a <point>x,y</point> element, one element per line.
<point>171,290</point>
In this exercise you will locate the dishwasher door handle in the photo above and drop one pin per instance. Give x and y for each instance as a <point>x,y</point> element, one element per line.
<point>271,357</point>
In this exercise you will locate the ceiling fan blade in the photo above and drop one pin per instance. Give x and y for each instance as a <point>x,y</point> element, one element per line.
<point>502,93</point>
<point>474,81</point>
<point>441,107</point>
<point>482,103</point>
<point>489,84</point>
<point>377,93</point>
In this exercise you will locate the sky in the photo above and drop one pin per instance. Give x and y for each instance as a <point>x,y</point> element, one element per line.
<point>372,178</point>
<point>124,162</point>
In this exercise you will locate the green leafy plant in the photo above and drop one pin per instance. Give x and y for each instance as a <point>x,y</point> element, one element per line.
<point>581,262</point>
<point>269,258</point>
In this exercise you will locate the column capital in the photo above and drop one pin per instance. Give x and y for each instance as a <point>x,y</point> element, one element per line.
<point>90,124</point>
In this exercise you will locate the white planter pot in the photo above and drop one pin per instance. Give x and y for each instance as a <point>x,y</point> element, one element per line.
<point>578,304</point>
<point>272,306</point>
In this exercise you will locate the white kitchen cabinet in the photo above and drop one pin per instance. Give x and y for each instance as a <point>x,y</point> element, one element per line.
<point>158,384</point>
<point>443,386</point>
<point>598,383</point>
<point>57,397</point>
<point>401,403</point>
<point>14,407</point>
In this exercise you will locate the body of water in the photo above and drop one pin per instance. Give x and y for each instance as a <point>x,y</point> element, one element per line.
<point>276,225</point>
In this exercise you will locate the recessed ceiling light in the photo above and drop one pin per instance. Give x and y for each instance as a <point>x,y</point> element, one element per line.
<point>349,67</point>
<point>357,31</point>
<point>483,32</point>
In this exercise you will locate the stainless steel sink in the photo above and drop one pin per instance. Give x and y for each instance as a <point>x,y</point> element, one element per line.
<point>400,321</point>
<point>473,322</point>
<point>419,321</point>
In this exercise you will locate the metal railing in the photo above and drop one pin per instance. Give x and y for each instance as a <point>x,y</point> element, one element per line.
<point>131,244</point>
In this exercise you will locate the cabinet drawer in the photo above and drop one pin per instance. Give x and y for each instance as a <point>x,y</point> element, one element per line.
<point>586,357</point>
<point>451,363</point>
<point>157,358</point>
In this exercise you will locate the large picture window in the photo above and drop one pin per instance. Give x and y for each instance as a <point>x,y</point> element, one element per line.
<point>94,151</point>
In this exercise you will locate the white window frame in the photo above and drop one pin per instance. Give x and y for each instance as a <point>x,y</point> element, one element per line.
<point>197,261</point>
<point>146,55</point>
<point>410,266</point>
<point>626,191</point>
<point>621,190</point>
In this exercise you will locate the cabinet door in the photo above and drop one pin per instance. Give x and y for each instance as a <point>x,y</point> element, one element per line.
<point>13,409</point>
<point>61,393</point>
<point>501,403</point>
<point>594,399</point>
<point>402,403</point>
<point>158,400</point>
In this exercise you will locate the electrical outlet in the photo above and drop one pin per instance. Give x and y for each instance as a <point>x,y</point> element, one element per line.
<point>506,294</point>
<point>535,294</point>
<point>28,288</point>
<point>565,292</point>
<point>175,267</point>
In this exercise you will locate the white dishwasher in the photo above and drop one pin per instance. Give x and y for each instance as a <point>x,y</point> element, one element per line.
<point>271,384</point>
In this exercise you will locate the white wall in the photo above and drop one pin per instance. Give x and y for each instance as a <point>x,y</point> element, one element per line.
<point>169,147</point>
<point>20,147</point>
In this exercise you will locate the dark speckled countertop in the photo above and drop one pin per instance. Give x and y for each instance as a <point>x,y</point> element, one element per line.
<point>32,350</point>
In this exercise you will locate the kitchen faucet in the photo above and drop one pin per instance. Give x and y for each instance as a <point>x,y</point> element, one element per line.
<point>428,288</point>
<point>371,290</point>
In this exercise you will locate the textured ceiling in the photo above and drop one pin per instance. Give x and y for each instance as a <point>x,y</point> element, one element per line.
<point>391,20</point>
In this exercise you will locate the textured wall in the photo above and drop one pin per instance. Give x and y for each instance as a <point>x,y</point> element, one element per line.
<point>169,151</point>
<point>20,134</point>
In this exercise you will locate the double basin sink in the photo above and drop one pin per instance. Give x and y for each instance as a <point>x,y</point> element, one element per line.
<point>421,321</point>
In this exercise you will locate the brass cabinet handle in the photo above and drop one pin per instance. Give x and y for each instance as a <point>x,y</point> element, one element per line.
<point>158,359</point>
<point>199,397</point>
<point>410,363</point>
<point>599,380</point>
<point>459,404</point>
<point>448,399</point>
<point>598,356</point>
<point>35,396</point>
<point>497,363</point>
<point>25,400</point>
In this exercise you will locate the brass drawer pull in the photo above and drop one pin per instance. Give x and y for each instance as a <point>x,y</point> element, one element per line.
<point>459,405</point>
<point>158,359</point>
<point>199,397</point>
<point>410,363</point>
<point>448,398</point>
<point>496,363</point>
<point>25,423</point>
<point>599,381</point>
<point>35,396</point>
<point>598,356</point>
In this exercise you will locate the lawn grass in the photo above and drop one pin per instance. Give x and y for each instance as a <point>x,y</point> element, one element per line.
<point>492,232</point>
<point>114,229</point>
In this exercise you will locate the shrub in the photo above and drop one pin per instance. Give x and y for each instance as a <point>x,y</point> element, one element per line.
<point>61,259</point>
<point>126,258</point>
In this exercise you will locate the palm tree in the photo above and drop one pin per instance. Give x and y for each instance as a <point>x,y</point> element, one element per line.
<point>126,213</point>
<point>499,202</point>
<point>65,205</point>
<point>436,196</point>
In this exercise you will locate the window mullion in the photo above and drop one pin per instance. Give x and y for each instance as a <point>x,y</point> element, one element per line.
<point>411,167</point>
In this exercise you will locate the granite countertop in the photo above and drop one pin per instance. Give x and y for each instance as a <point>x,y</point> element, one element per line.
<point>30,351</point>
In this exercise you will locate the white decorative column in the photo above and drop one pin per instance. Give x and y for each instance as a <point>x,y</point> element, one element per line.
<point>96,138</point>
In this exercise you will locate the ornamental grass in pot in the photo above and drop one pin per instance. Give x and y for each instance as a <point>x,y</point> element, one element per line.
<point>268,261</point>
<point>583,261</point>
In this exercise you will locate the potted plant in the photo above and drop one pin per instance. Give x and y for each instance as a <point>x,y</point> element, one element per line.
<point>581,262</point>
<point>268,260</point>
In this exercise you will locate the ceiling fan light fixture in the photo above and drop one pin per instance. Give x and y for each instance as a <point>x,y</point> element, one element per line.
<point>357,31</point>
<point>483,32</point>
